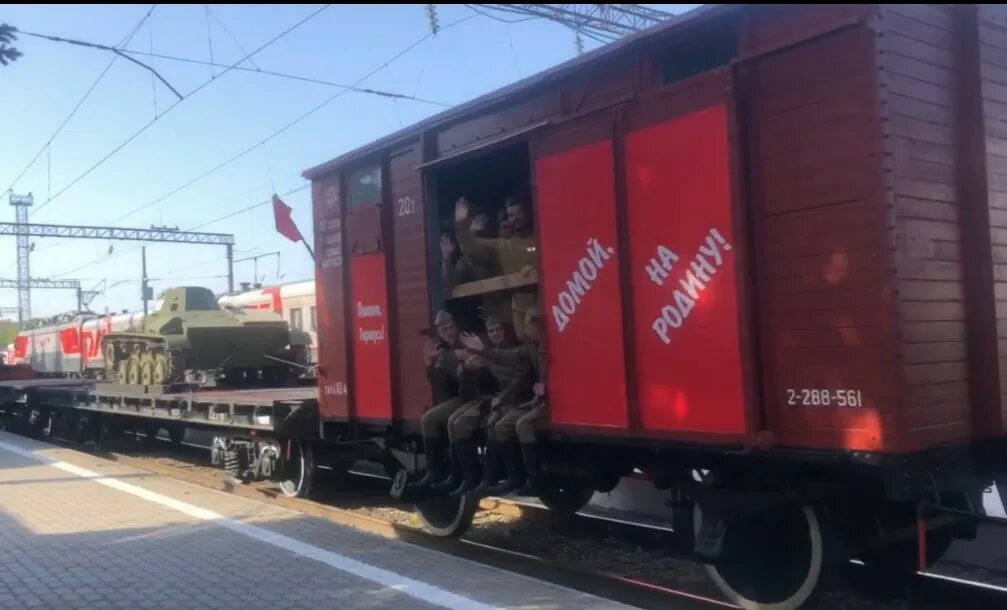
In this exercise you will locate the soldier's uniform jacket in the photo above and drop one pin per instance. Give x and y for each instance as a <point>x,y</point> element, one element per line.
<point>476,382</point>
<point>512,255</point>
<point>442,374</point>
<point>464,270</point>
<point>522,367</point>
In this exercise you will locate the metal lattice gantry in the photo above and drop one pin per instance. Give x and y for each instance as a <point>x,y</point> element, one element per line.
<point>24,230</point>
<point>159,234</point>
<point>599,21</point>
<point>43,284</point>
<point>21,203</point>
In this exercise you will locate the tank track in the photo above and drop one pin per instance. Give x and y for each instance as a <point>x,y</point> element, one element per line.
<point>139,360</point>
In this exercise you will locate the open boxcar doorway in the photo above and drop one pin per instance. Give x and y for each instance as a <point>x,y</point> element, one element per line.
<point>487,179</point>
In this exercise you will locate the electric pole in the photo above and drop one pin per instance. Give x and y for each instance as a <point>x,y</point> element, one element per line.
<point>146,292</point>
<point>230,268</point>
<point>255,259</point>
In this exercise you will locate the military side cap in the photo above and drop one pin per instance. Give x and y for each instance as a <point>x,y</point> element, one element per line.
<point>443,318</point>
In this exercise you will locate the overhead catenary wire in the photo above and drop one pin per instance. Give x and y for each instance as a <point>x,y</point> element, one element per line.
<point>284,128</point>
<point>126,40</point>
<point>209,38</point>
<point>300,118</point>
<point>193,228</point>
<point>203,62</point>
<point>211,13</point>
<point>103,47</point>
<point>47,147</point>
<point>188,95</point>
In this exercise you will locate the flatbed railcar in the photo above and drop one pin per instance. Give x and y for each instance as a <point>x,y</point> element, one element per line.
<point>258,433</point>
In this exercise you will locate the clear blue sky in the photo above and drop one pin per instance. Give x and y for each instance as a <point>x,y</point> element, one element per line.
<point>232,113</point>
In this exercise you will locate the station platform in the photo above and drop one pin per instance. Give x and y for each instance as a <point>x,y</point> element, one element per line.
<point>78,531</point>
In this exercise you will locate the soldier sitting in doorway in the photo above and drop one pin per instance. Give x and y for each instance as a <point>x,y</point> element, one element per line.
<point>442,367</point>
<point>522,418</point>
<point>489,383</point>
<point>515,254</point>
<point>477,389</point>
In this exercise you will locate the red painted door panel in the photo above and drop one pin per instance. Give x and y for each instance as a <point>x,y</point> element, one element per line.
<point>580,282</point>
<point>688,357</point>
<point>372,378</point>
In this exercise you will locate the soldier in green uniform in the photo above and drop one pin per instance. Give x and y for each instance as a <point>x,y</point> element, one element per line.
<point>527,410</point>
<point>457,269</point>
<point>505,231</point>
<point>463,424</point>
<point>515,254</point>
<point>442,367</point>
<point>477,389</point>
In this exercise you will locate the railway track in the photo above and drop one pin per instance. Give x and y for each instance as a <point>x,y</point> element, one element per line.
<point>365,505</point>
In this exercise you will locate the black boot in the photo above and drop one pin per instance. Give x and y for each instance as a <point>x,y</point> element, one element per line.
<point>453,479</point>
<point>515,478</point>
<point>468,459</point>
<point>492,464</point>
<point>434,448</point>
<point>533,468</point>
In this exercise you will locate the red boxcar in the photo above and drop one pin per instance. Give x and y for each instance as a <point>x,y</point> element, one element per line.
<point>773,244</point>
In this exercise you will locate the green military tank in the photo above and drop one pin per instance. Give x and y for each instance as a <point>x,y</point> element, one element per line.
<point>189,338</point>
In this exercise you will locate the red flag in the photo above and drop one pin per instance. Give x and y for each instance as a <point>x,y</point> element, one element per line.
<point>284,223</point>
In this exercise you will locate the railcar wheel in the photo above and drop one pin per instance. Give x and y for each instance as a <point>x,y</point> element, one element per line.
<point>299,471</point>
<point>56,426</point>
<point>448,517</point>
<point>150,431</point>
<point>43,424</point>
<point>86,427</point>
<point>107,430</point>
<point>782,559</point>
<point>565,497</point>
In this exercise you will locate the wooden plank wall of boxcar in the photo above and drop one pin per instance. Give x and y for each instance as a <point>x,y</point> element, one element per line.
<point>411,313</point>
<point>535,107</point>
<point>814,161</point>
<point>916,61</point>
<point>992,30</point>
